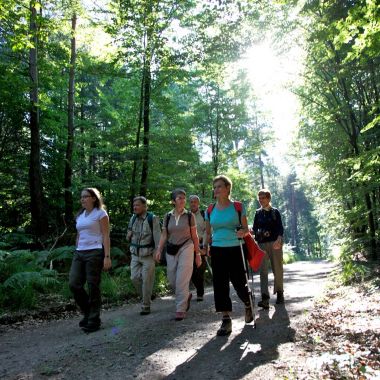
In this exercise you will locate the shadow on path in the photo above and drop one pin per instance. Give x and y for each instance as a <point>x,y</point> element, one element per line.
<point>236,356</point>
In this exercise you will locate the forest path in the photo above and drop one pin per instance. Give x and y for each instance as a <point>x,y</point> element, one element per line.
<point>130,346</point>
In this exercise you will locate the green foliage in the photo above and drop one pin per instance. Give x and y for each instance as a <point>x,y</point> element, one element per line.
<point>161,285</point>
<point>289,256</point>
<point>61,256</point>
<point>340,111</point>
<point>42,281</point>
<point>118,257</point>
<point>352,272</point>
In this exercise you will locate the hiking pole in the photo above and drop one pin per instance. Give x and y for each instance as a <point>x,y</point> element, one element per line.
<point>250,293</point>
<point>208,265</point>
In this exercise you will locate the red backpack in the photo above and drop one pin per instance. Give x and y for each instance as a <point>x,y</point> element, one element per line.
<point>255,254</point>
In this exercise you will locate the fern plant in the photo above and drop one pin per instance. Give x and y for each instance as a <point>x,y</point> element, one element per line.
<point>43,280</point>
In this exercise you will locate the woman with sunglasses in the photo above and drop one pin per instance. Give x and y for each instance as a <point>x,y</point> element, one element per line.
<point>91,256</point>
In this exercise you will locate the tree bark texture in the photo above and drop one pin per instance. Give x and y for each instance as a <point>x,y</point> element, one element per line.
<point>69,217</point>
<point>146,122</point>
<point>39,218</point>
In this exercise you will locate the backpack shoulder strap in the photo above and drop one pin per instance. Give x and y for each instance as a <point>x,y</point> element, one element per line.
<point>150,219</point>
<point>239,208</point>
<point>189,214</point>
<point>134,217</point>
<point>210,208</point>
<point>167,220</point>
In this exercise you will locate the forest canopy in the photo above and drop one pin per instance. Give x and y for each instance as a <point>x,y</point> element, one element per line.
<point>137,98</point>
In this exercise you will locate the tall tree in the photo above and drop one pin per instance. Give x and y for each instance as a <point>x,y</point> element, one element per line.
<point>39,220</point>
<point>340,99</point>
<point>70,126</point>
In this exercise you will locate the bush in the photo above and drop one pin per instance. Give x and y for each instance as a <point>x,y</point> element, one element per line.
<point>61,258</point>
<point>289,256</point>
<point>161,285</point>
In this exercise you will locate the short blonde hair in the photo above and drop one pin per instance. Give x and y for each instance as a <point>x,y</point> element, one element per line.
<point>227,181</point>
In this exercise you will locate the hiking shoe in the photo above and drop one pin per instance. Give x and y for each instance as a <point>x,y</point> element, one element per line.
<point>188,301</point>
<point>248,314</point>
<point>225,328</point>
<point>145,311</point>
<point>199,298</point>
<point>83,322</point>
<point>91,327</point>
<point>264,303</point>
<point>179,315</point>
<point>280,298</point>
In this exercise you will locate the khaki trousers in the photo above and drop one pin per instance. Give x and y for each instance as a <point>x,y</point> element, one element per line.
<point>142,276</point>
<point>276,260</point>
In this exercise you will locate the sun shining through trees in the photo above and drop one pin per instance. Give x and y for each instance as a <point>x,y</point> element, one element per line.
<point>272,75</point>
<point>137,97</point>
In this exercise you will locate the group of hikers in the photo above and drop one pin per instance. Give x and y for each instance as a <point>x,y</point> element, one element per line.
<point>187,238</point>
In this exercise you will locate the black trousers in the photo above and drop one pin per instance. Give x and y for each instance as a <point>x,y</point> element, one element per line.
<point>198,277</point>
<point>87,267</point>
<point>227,265</point>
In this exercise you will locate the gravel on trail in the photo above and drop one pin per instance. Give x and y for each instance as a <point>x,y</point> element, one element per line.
<point>131,346</point>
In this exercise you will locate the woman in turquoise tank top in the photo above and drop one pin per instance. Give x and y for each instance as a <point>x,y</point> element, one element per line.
<point>226,258</point>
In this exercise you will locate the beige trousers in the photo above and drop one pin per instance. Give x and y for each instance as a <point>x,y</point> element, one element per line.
<point>276,260</point>
<point>179,270</point>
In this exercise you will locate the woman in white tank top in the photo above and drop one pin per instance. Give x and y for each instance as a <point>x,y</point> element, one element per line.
<point>91,256</point>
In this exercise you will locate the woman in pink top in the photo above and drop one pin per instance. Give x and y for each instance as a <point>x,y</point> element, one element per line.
<point>91,256</point>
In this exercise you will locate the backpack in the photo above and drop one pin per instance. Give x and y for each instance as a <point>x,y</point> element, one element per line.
<point>255,254</point>
<point>150,216</point>
<point>238,207</point>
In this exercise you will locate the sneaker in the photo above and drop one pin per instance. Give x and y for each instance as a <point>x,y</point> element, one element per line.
<point>225,328</point>
<point>179,315</point>
<point>248,314</point>
<point>188,301</point>
<point>199,298</point>
<point>145,311</point>
<point>280,298</point>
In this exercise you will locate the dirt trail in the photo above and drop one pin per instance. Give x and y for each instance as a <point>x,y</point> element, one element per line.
<point>130,346</point>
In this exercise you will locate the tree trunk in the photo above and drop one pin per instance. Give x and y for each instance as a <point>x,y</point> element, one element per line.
<point>215,143</point>
<point>69,217</point>
<point>137,144</point>
<point>39,219</point>
<point>294,226</point>
<point>145,159</point>
<point>261,165</point>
